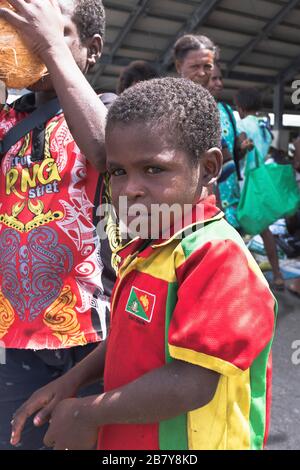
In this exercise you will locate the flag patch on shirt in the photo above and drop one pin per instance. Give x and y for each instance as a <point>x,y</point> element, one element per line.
<point>141,304</point>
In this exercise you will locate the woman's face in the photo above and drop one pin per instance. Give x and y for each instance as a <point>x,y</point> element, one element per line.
<point>197,66</point>
<point>215,85</point>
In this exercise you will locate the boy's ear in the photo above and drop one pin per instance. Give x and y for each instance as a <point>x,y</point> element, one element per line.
<point>95,48</point>
<point>212,162</point>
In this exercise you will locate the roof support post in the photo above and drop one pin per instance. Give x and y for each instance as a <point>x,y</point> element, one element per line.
<point>278,105</point>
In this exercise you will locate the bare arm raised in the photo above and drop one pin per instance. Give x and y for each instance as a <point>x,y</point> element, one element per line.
<point>49,29</point>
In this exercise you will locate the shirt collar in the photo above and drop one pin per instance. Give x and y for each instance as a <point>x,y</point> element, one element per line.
<point>203,212</point>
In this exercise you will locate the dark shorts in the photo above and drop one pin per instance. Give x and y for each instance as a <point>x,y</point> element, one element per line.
<point>23,373</point>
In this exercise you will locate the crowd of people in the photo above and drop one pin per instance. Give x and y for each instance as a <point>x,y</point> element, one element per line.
<point>155,343</point>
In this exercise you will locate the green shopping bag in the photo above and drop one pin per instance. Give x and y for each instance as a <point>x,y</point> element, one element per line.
<point>270,192</point>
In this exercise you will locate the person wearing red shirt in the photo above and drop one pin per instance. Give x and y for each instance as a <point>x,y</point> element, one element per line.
<point>55,270</point>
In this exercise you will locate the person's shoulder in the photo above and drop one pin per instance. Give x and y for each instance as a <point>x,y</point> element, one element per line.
<point>252,121</point>
<point>212,249</point>
<point>206,237</point>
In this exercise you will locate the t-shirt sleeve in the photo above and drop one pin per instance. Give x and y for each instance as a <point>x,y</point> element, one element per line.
<point>225,313</point>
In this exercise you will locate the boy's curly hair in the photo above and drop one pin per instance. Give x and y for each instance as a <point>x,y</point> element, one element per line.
<point>184,112</point>
<point>89,16</point>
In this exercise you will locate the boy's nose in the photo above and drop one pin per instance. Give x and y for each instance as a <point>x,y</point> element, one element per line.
<point>134,190</point>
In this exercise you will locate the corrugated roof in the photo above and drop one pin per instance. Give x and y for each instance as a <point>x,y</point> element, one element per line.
<point>259,39</point>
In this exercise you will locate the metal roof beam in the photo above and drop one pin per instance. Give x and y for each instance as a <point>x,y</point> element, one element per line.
<point>198,17</point>
<point>134,16</point>
<point>119,61</point>
<point>252,77</point>
<point>268,28</point>
<point>117,6</point>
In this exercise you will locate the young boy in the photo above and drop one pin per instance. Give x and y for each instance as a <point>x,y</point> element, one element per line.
<point>187,360</point>
<point>55,275</point>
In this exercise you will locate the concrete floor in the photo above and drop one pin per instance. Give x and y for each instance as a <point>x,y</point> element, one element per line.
<point>285,423</point>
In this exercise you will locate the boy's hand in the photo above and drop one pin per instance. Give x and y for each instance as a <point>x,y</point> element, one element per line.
<point>40,23</point>
<point>71,426</point>
<point>43,400</point>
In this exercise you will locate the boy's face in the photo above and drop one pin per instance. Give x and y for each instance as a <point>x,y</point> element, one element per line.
<point>197,66</point>
<point>80,50</point>
<point>147,171</point>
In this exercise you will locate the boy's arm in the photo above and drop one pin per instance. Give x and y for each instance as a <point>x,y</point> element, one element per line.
<point>162,394</point>
<point>44,400</point>
<point>90,369</point>
<point>83,110</point>
<point>41,26</point>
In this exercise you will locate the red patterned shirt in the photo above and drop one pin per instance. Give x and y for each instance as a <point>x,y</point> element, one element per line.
<point>55,274</point>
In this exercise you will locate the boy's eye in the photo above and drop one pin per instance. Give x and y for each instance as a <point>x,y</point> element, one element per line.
<point>117,172</point>
<point>153,170</point>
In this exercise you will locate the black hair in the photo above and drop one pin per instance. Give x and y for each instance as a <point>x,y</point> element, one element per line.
<point>248,99</point>
<point>185,113</point>
<point>89,17</point>
<point>135,72</point>
<point>192,42</point>
<point>218,64</point>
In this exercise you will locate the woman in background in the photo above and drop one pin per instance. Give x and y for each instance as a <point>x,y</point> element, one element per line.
<point>232,148</point>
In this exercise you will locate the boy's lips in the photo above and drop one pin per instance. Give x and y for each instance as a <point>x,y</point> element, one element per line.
<point>135,209</point>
